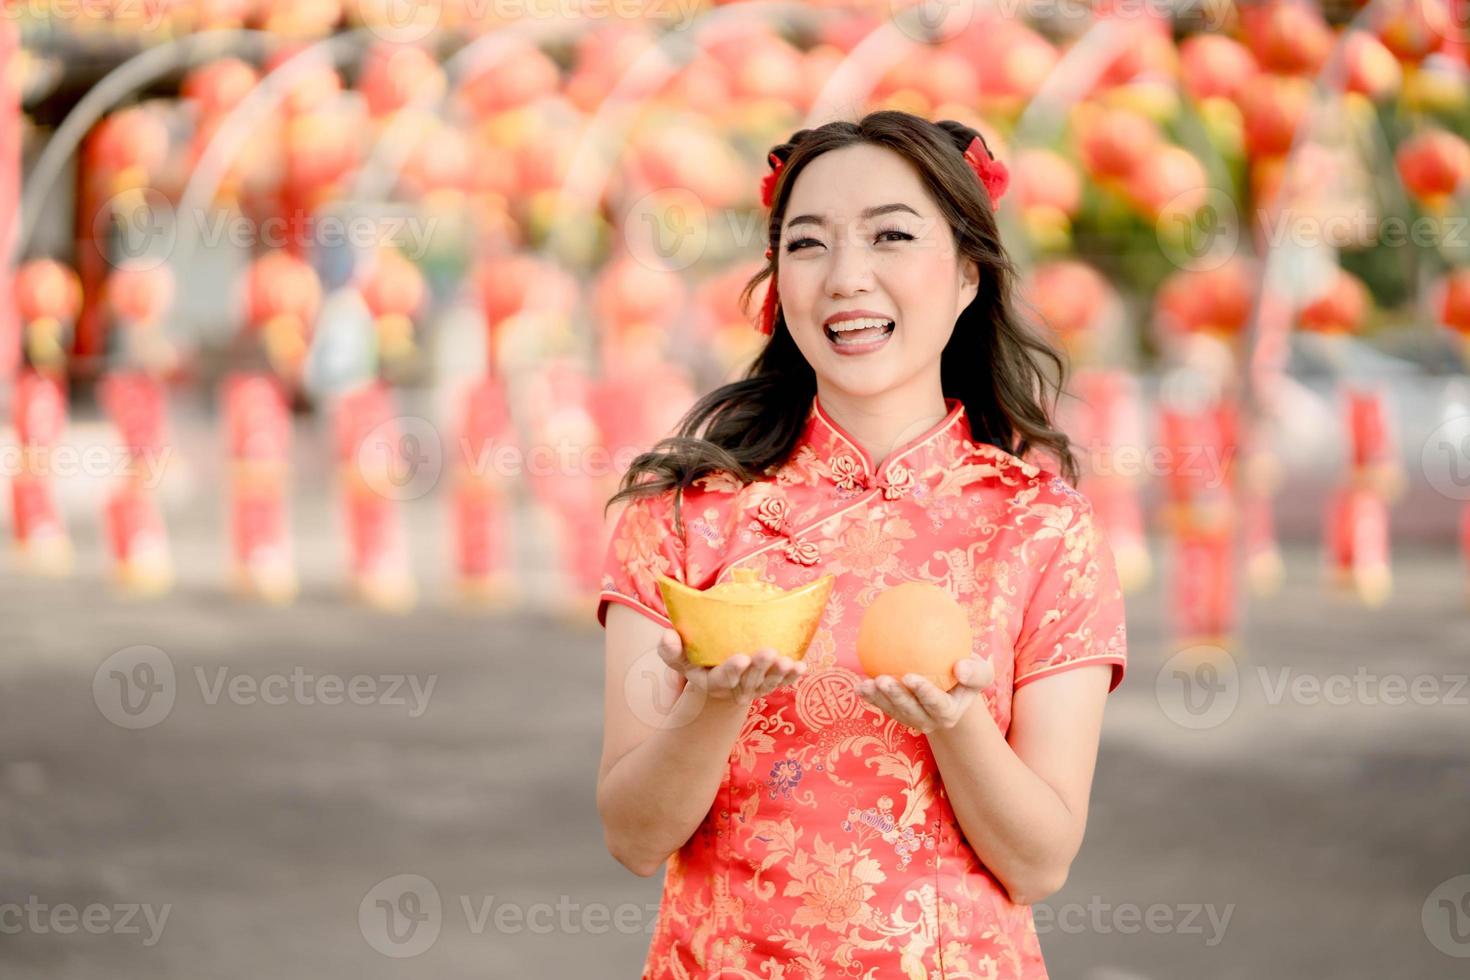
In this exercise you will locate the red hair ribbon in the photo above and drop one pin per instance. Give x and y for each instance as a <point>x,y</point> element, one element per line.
<point>992,173</point>
<point>768,183</point>
<point>767,323</point>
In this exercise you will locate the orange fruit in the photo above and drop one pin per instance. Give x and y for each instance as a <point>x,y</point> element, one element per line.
<point>914,628</point>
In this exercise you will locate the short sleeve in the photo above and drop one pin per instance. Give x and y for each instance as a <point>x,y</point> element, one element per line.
<point>1075,616</point>
<point>643,545</point>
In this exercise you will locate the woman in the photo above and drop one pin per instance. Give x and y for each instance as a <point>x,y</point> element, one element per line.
<point>818,823</point>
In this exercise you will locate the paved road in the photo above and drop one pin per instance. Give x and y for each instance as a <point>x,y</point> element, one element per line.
<point>1319,829</point>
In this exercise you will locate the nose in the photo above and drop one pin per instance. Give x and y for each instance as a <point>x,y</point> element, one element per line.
<point>850,268</point>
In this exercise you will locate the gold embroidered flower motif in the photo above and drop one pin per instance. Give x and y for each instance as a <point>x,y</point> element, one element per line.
<point>844,471</point>
<point>772,513</point>
<point>803,552</point>
<point>899,482</point>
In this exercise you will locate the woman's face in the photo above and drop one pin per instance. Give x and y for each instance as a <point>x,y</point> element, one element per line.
<point>861,235</point>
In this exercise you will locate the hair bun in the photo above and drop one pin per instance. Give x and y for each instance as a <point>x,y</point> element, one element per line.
<point>962,136</point>
<point>783,151</point>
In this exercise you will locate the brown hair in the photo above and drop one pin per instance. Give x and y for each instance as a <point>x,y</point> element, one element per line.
<point>1007,376</point>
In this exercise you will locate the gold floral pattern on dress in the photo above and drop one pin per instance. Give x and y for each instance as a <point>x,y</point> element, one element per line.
<point>845,470</point>
<point>803,552</point>
<point>772,513</point>
<point>900,480</point>
<point>831,850</point>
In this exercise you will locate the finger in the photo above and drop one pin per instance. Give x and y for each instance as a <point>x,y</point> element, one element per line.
<point>786,671</point>
<point>880,699</point>
<point>934,702</point>
<point>726,677</point>
<point>797,672</point>
<point>671,649</point>
<point>910,712</point>
<point>754,677</point>
<point>975,671</point>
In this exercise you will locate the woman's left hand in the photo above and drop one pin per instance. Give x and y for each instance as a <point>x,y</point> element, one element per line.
<point>917,702</point>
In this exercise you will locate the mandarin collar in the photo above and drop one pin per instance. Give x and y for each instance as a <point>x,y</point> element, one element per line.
<point>850,468</point>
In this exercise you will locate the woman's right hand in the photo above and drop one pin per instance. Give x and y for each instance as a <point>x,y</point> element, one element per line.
<point>740,679</point>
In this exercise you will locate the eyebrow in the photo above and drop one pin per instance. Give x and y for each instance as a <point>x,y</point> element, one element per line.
<point>873,212</point>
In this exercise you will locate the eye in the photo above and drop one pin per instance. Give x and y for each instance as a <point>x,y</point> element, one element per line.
<point>903,236</point>
<point>796,244</point>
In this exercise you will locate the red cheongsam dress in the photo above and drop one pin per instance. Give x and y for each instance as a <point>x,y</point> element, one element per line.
<point>831,850</point>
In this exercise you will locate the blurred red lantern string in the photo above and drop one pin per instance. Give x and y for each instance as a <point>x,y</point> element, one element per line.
<point>140,294</point>
<point>219,86</point>
<point>1340,309</point>
<point>46,289</point>
<point>1434,165</point>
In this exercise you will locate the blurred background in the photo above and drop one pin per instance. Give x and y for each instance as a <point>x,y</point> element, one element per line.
<point>329,326</point>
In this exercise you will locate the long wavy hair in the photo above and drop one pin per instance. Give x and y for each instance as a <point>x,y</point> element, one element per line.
<point>1008,377</point>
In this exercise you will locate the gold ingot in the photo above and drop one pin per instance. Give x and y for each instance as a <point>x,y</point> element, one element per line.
<point>743,616</point>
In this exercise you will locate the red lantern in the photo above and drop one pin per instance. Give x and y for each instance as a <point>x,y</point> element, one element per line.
<point>219,86</point>
<point>1170,177</point>
<point>1214,301</point>
<point>299,18</point>
<point>1214,66</point>
<point>322,147</point>
<point>511,283</point>
<point>1148,54</point>
<point>1046,179</point>
<point>1372,69</point>
<point>1414,29</point>
<point>1013,60</point>
<point>395,75</point>
<point>1452,301</point>
<point>1433,165</point>
<point>522,75</point>
<point>47,290</point>
<point>1069,296</point>
<point>1287,36</point>
<point>313,85</point>
<point>767,67</point>
<point>1112,142</point>
<point>628,292</point>
<point>604,59</point>
<point>129,139</point>
<point>281,287</point>
<point>1341,309</point>
<point>394,286</point>
<point>140,294</point>
<point>441,161</point>
<point>1274,107</point>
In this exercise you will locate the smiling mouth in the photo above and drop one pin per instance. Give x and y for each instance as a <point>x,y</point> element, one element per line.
<point>853,333</point>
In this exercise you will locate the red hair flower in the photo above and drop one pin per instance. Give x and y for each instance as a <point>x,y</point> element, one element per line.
<point>991,172</point>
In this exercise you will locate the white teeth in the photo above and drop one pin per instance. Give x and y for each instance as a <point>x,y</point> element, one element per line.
<point>841,326</point>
